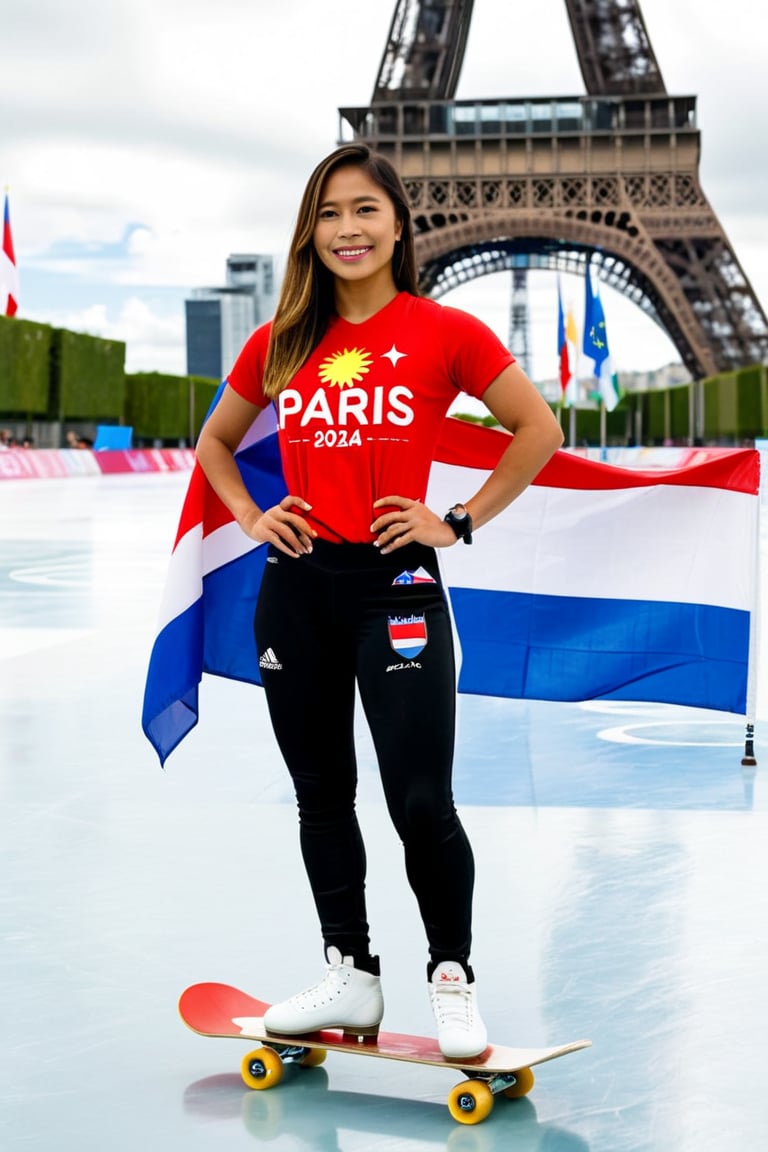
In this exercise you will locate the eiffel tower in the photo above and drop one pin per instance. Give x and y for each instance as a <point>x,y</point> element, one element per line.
<point>609,179</point>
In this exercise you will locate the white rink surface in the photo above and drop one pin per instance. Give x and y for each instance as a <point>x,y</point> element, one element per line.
<point>621,852</point>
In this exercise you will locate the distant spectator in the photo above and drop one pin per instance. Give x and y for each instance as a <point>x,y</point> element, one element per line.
<point>76,441</point>
<point>6,439</point>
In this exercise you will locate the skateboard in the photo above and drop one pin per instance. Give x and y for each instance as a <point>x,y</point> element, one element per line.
<point>220,1010</point>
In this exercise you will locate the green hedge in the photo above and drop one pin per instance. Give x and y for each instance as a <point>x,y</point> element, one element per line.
<point>25,349</point>
<point>157,405</point>
<point>655,420</point>
<point>680,413</point>
<point>618,424</point>
<point>735,411</point>
<point>87,377</point>
<point>721,415</point>
<point>736,404</point>
<point>665,414</point>
<point>204,391</point>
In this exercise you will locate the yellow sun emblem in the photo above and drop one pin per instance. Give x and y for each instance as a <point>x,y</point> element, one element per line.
<point>344,368</point>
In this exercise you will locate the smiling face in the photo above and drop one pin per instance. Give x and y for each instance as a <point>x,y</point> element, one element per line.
<point>356,229</point>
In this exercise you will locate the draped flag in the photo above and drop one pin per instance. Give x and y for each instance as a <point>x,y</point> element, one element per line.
<point>206,614</point>
<point>9,277</point>
<point>597,582</point>
<point>596,345</point>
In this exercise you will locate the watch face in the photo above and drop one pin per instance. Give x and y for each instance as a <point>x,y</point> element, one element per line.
<point>461,524</point>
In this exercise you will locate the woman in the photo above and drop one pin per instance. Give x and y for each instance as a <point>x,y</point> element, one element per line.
<point>362,371</point>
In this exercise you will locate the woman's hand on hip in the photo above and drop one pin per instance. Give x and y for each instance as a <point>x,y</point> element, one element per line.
<point>282,526</point>
<point>409,522</point>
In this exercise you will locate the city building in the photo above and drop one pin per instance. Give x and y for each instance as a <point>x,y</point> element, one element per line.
<point>219,320</point>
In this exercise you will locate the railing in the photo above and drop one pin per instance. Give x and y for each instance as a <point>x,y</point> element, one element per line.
<point>573,115</point>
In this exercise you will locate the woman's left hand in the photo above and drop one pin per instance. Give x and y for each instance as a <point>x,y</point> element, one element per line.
<point>408,522</point>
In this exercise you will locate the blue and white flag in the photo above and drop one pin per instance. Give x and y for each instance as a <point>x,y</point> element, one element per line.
<point>597,582</point>
<point>595,345</point>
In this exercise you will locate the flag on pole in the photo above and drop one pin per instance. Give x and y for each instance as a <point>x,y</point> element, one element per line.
<point>596,345</point>
<point>566,375</point>
<point>572,336</point>
<point>9,277</point>
<point>597,582</point>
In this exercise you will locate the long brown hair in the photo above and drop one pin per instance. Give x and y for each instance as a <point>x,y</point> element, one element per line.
<point>306,300</point>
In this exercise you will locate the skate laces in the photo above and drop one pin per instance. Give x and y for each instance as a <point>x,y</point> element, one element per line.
<point>452,999</point>
<point>329,988</point>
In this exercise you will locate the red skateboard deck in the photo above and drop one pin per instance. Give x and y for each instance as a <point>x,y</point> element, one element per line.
<point>220,1010</point>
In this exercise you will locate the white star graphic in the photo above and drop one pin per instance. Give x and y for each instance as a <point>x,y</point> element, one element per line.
<point>393,355</point>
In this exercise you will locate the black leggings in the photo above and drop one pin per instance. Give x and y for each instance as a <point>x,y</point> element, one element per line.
<point>323,623</point>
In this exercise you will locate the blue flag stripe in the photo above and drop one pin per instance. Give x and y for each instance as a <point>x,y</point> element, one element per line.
<point>576,648</point>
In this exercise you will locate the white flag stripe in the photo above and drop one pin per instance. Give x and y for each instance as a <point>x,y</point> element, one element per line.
<point>224,545</point>
<point>192,559</point>
<point>663,542</point>
<point>184,583</point>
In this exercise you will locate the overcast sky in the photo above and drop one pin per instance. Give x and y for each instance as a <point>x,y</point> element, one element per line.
<point>142,141</point>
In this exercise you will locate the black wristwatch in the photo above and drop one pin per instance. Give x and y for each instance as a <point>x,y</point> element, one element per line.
<point>461,522</point>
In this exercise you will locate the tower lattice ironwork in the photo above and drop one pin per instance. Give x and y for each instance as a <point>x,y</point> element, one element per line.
<point>610,177</point>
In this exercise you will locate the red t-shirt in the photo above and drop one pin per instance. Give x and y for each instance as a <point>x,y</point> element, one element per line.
<point>361,418</point>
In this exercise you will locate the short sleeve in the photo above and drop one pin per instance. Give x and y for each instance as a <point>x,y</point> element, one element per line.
<point>474,352</point>
<point>247,374</point>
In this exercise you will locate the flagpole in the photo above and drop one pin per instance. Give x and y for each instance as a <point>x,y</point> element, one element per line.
<point>603,422</point>
<point>749,760</point>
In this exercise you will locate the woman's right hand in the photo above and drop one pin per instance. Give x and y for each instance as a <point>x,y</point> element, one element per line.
<point>281,526</point>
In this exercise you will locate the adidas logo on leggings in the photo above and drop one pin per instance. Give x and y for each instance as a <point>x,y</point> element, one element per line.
<point>269,661</point>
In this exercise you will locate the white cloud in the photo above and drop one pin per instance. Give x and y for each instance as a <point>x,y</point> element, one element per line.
<point>154,342</point>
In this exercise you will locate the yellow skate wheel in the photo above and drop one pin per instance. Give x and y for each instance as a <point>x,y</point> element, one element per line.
<point>524,1081</point>
<point>470,1102</point>
<point>262,1068</point>
<point>313,1058</point>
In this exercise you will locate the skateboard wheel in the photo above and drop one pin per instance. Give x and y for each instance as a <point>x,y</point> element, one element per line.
<point>471,1102</point>
<point>524,1081</point>
<point>261,1069</point>
<point>313,1058</point>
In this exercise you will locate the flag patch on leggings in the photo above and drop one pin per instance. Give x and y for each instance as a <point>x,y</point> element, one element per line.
<point>407,635</point>
<point>420,576</point>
